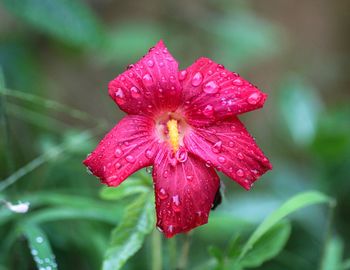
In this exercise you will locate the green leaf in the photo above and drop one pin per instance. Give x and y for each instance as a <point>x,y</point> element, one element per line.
<point>39,247</point>
<point>268,246</point>
<point>295,203</point>
<point>128,237</point>
<point>69,21</point>
<point>129,187</point>
<point>300,107</point>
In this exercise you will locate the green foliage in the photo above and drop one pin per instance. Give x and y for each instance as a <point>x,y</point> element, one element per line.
<point>39,247</point>
<point>69,21</point>
<point>129,236</point>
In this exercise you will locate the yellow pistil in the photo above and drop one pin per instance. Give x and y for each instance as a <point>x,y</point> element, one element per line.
<point>173,134</point>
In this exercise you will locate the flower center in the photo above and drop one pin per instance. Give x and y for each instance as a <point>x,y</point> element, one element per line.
<point>173,134</point>
<point>171,128</point>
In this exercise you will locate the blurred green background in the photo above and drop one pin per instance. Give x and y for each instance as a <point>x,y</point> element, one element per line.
<point>56,59</point>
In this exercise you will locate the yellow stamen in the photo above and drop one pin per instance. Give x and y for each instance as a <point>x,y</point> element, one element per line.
<point>173,134</point>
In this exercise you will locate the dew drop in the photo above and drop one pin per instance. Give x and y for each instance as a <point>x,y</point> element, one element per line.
<point>119,96</point>
<point>117,165</point>
<point>240,155</point>
<point>88,170</point>
<point>149,153</point>
<point>181,155</point>
<point>211,87</point>
<point>197,79</point>
<point>130,159</point>
<point>147,80</point>
<point>254,98</point>
<point>237,81</point>
<point>118,152</point>
<point>231,144</point>
<point>150,63</point>
<point>165,174</point>
<point>182,75</point>
<point>221,159</point>
<point>189,177</point>
<point>162,194</point>
<point>149,170</point>
<point>176,203</point>
<point>39,239</point>
<point>216,148</point>
<point>208,111</point>
<point>240,172</point>
<point>135,92</point>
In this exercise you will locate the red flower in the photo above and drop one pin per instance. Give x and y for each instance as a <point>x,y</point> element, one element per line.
<point>185,124</point>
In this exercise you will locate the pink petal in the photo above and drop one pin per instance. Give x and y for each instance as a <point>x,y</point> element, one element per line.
<point>229,148</point>
<point>184,190</point>
<point>211,93</point>
<point>148,86</point>
<point>128,147</point>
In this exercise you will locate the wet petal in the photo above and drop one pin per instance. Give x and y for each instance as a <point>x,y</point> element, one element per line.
<point>128,147</point>
<point>229,148</point>
<point>185,190</point>
<point>148,86</point>
<point>212,93</point>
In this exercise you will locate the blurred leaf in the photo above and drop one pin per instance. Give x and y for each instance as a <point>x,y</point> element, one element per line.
<point>332,258</point>
<point>242,37</point>
<point>268,246</point>
<point>69,21</point>
<point>295,203</point>
<point>216,253</point>
<point>128,237</point>
<point>39,247</point>
<point>133,38</point>
<point>130,186</point>
<point>300,107</point>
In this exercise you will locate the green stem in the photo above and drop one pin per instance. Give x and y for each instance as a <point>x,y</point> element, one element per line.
<point>172,252</point>
<point>156,250</point>
<point>185,252</point>
<point>328,233</point>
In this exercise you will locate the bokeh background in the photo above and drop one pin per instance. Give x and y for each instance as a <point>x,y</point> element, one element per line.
<point>56,59</point>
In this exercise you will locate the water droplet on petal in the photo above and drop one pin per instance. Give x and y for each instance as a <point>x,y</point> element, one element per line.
<point>176,203</point>
<point>165,174</point>
<point>240,172</point>
<point>240,155</point>
<point>211,87</point>
<point>149,153</point>
<point>221,159</point>
<point>231,144</point>
<point>135,92</point>
<point>182,75</point>
<point>162,194</point>
<point>216,148</point>
<point>254,98</point>
<point>119,96</point>
<point>150,63</point>
<point>197,79</point>
<point>130,159</point>
<point>208,111</point>
<point>117,165</point>
<point>118,152</point>
<point>181,155</point>
<point>237,81</point>
<point>189,177</point>
<point>147,80</point>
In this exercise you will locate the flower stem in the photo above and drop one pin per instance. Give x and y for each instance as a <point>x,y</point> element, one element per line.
<point>184,253</point>
<point>156,250</point>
